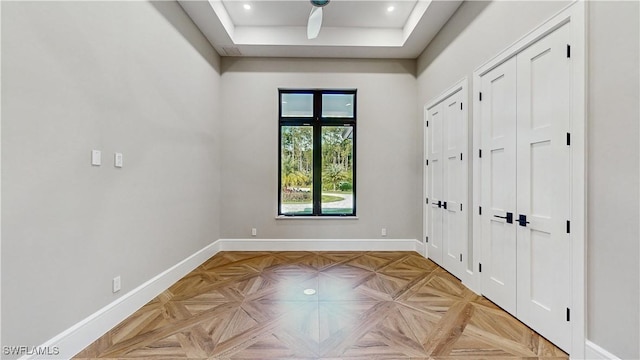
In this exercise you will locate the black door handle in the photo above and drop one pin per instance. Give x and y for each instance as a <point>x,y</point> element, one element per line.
<point>439,203</point>
<point>509,217</point>
<point>522,220</point>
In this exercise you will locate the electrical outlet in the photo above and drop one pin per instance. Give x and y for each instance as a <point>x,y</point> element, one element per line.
<point>254,231</point>
<point>116,284</point>
<point>383,232</point>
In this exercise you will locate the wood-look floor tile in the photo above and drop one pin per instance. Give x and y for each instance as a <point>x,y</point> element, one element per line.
<point>366,305</point>
<point>369,262</point>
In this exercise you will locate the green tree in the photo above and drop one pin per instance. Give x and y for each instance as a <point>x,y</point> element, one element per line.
<point>296,155</point>
<point>333,174</point>
<point>296,178</point>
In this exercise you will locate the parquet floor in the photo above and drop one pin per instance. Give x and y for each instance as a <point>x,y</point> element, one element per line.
<point>366,305</point>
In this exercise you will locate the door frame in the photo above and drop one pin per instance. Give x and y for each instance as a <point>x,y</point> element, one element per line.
<point>574,16</point>
<point>468,277</point>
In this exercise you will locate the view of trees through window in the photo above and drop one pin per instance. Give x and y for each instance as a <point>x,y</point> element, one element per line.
<point>327,141</point>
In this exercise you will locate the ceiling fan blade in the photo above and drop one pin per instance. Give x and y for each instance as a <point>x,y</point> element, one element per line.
<point>315,22</point>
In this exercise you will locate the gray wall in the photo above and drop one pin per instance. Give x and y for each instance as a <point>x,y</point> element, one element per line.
<point>132,77</point>
<point>613,278</point>
<point>388,151</point>
<point>477,32</point>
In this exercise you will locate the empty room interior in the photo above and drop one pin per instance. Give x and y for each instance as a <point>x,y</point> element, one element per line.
<point>371,179</point>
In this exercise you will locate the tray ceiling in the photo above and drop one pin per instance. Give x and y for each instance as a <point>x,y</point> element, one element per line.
<point>350,29</point>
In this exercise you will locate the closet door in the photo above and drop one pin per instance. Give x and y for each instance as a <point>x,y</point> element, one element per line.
<point>454,240</point>
<point>435,190</point>
<point>543,174</point>
<point>498,193</point>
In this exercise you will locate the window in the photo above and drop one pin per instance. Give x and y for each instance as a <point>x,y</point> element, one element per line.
<point>317,153</point>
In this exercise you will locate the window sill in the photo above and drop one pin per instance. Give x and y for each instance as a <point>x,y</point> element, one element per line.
<point>283,217</point>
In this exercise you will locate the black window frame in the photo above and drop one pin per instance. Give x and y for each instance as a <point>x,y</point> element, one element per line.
<point>317,122</point>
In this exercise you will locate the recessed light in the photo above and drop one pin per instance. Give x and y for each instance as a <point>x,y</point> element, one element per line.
<point>246,6</point>
<point>391,8</point>
<point>309,291</point>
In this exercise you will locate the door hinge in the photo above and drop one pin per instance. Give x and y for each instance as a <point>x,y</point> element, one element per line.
<point>427,123</point>
<point>568,314</point>
<point>460,106</point>
<point>427,201</point>
<point>568,139</point>
<point>480,267</point>
<point>460,156</point>
<point>479,152</point>
<point>426,238</point>
<point>479,210</point>
<point>427,162</point>
<point>460,257</point>
<point>568,227</point>
<point>480,95</point>
<point>568,51</point>
<point>460,207</point>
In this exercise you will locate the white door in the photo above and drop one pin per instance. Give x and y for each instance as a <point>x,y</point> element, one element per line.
<point>454,241</point>
<point>498,188</point>
<point>543,175</point>
<point>435,189</point>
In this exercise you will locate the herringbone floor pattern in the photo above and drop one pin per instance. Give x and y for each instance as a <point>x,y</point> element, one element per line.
<point>366,305</point>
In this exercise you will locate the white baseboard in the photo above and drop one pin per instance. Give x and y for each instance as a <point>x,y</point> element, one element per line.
<point>79,336</point>
<point>595,352</point>
<point>322,245</point>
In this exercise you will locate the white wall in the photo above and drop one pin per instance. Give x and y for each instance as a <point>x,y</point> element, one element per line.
<point>477,32</point>
<point>132,77</point>
<point>388,150</point>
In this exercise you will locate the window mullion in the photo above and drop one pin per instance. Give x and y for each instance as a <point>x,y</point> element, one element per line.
<point>317,154</point>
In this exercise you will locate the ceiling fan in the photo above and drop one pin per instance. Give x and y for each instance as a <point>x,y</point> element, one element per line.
<point>315,18</point>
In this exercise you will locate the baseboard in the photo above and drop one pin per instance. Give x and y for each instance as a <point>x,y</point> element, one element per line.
<point>322,245</point>
<point>73,340</point>
<point>595,352</point>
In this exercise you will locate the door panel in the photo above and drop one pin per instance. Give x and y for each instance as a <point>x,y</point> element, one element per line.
<point>454,239</point>
<point>543,175</point>
<point>498,192</point>
<point>435,190</point>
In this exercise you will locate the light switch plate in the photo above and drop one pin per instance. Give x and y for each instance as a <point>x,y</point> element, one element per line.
<point>96,157</point>
<point>117,160</point>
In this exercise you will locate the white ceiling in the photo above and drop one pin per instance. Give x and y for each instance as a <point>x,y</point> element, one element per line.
<point>338,14</point>
<point>350,28</point>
